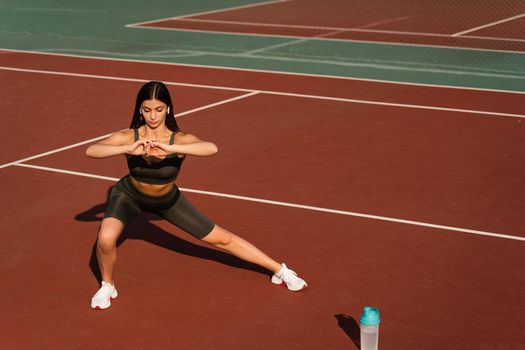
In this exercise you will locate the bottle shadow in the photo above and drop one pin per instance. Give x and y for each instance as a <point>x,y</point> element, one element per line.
<point>142,229</point>
<point>350,326</point>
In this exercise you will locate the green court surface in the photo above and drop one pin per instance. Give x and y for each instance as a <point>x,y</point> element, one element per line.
<point>99,29</point>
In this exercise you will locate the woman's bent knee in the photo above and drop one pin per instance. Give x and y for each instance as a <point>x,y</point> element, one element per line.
<point>106,242</point>
<point>108,234</point>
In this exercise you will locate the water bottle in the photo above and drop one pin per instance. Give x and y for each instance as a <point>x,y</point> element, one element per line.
<point>369,324</point>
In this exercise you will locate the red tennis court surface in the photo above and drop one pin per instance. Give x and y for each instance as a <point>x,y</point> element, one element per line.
<point>343,147</point>
<point>456,24</point>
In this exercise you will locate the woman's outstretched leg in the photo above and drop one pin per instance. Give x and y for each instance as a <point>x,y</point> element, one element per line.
<point>243,249</point>
<point>109,232</point>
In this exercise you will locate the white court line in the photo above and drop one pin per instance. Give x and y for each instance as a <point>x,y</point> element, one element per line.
<point>338,29</point>
<point>110,77</point>
<point>29,52</point>
<point>69,172</point>
<point>271,2</point>
<point>55,151</point>
<point>383,21</point>
<point>208,12</point>
<point>373,42</point>
<point>385,65</point>
<point>16,162</point>
<point>496,39</point>
<point>298,206</point>
<point>217,103</point>
<point>293,42</point>
<point>270,92</point>
<point>261,24</point>
<point>153,54</point>
<point>488,25</point>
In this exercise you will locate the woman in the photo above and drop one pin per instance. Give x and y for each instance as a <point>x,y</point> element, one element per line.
<point>155,149</point>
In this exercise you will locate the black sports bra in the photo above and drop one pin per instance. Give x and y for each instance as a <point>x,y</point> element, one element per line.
<point>159,173</point>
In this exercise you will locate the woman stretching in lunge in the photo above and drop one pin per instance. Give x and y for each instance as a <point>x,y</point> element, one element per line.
<point>155,148</point>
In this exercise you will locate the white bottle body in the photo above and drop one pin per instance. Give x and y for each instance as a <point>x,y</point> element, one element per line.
<point>369,337</point>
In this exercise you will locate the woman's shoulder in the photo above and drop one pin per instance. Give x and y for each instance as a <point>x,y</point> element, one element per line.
<point>121,137</point>
<point>125,134</point>
<point>184,137</point>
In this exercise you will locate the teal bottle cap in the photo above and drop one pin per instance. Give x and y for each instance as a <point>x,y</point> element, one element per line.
<point>370,316</point>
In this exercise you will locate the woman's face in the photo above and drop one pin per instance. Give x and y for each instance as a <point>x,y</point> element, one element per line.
<point>154,112</point>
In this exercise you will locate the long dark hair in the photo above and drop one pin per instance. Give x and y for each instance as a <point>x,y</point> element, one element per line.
<point>158,91</point>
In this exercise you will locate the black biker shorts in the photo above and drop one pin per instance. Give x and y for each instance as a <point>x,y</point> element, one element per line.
<point>126,202</point>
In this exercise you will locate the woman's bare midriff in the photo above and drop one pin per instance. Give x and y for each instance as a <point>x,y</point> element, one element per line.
<point>151,189</point>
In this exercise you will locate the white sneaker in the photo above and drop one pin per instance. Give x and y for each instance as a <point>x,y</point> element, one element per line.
<point>102,298</point>
<point>288,277</point>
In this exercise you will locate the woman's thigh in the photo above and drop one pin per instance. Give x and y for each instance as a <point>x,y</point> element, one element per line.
<point>121,205</point>
<point>188,218</point>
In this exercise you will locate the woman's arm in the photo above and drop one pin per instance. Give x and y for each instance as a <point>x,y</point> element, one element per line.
<point>117,144</point>
<point>187,144</point>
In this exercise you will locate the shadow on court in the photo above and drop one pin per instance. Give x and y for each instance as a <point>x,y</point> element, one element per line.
<point>350,326</point>
<point>142,229</point>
